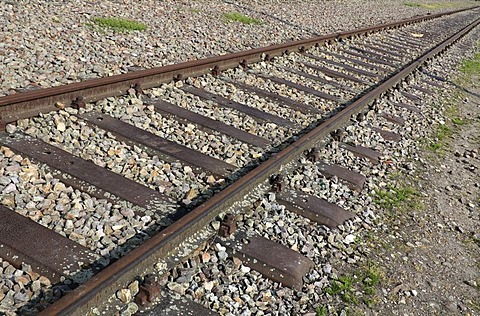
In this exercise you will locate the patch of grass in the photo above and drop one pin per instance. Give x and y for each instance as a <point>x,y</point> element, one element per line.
<point>119,24</point>
<point>195,10</point>
<point>321,311</point>
<point>344,288</point>
<point>360,287</point>
<point>371,278</point>
<point>452,111</point>
<point>411,4</point>
<point>434,146</point>
<point>238,17</point>
<point>441,133</point>
<point>472,66</point>
<point>458,121</point>
<point>393,197</point>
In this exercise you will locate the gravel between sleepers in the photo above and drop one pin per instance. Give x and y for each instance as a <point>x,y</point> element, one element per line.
<point>49,43</point>
<point>67,48</point>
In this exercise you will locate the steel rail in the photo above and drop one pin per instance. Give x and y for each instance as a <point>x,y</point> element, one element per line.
<point>101,286</point>
<point>31,103</point>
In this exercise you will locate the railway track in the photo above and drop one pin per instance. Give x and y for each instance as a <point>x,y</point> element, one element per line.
<point>121,178</point>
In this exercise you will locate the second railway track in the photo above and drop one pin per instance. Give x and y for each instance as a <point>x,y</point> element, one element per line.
<point>130,179</point>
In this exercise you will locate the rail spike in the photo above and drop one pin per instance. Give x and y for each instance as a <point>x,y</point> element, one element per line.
<point>277,183</point>
<point>313,155</point>
<point>216,71</point>
<point>138,89</point>
<point>228,226</point>
<point>78,103</point>
<point>148,291</point>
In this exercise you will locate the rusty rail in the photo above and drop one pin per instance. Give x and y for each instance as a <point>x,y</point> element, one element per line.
<point>101,286</point>
<point>31,103</point>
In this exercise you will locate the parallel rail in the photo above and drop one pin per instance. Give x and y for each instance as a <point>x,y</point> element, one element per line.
<point>27,104</point>
<point>101,286</point>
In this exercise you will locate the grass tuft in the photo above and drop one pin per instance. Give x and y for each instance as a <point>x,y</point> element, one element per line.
<point>393,197</point>
<point>321,311</point>
<point>344,288</point>
<point>472,66</point>
<point>372,276</point>
<point>120,24</point>
<point>434,146</point>
<point>458,121</point>
<point>238,17</point>
<point>355,289</point>
<point>442,132</point>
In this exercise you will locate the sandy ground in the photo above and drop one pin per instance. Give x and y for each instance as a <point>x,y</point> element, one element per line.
<point>426,254</point>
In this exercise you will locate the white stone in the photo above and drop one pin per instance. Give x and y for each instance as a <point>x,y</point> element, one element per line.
<point>349,239</point>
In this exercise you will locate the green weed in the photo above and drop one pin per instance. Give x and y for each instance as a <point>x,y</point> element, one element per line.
<point>238,17</point>
<point>458,121</point>
<point>472,66</point>
<point>120,24</point>
<point>393,197</point>
<point>441,133</point>
<point>360,287</point>
<point>435,146</point>
<point>321,311</point>
<point>371,277</point>
<point>343,287</point>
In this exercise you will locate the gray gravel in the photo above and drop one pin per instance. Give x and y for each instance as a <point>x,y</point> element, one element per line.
<point>226,286</point>
<point>228,90</point>
<point>134,111</point>
<point>226,115</point>
<point>66,131</point>
<point>21,286</point>
<point>68,47</point>
<point>32,191</point>
<point>81,51</point>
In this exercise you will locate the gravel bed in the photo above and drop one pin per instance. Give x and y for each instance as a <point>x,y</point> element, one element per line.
<point>283,90</point>
<point>342,87</point>
<point>68,47</point>
<point>228,116</point>
<point>228,90</point>
<point>225,285</point>
<point>387,41</point>
<point>66,131</point>
<point>353,85</point>
<point>428,31</point>
<point>324,52</point>
<point>309,179</point>
<point>228,287</point>
<point>32,25</point>
<point>21,289</point>
<point>217,145</point>
<point>294,61</point>
<point>33,192</point>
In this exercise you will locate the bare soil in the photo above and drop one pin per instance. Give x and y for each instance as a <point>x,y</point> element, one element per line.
<point>426,250</point>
